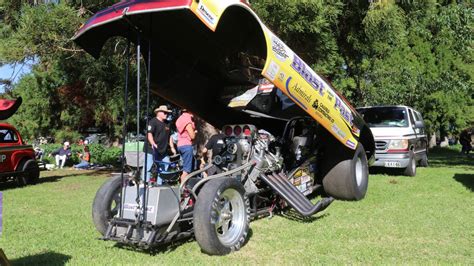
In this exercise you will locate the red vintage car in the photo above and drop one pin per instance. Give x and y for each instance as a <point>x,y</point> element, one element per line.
<point>17,159</point>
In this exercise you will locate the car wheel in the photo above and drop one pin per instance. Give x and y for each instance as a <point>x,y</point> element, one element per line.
<point>106,203</point>
<point>31,171</point>
<point>347,179</point>
<point>221,216</point>
<point>411,168</point>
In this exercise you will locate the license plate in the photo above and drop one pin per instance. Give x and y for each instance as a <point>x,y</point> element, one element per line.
<point>392,164</point>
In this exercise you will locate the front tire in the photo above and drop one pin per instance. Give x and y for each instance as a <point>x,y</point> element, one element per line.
<point>106,203</point>
<point>348,179</point>
<point>411,168</point>
<point>221,216</point>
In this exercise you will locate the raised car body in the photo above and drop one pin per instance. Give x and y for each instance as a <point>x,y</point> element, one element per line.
<point>205,39</point>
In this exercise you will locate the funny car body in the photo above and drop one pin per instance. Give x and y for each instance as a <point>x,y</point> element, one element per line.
<point>288,132</point>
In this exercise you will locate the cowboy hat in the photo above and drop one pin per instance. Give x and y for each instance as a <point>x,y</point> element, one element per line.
<point>162,108</point>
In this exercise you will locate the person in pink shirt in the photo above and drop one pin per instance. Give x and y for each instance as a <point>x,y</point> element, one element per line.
<point>186,134</point>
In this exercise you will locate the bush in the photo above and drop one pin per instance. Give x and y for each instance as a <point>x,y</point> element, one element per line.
<point>100,154</point>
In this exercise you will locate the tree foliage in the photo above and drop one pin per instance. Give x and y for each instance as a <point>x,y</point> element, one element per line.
<point>416,53</point>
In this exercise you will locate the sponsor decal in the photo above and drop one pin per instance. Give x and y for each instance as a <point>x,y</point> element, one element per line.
<point>298,89</point>
<point>338,131</point>
<point>323,110</point>
<point>308,74</point>
<point>3,157</point>
<point>281,76</point>
<point>350,144</point>
<point>272,71</point>
<point>344,111</point>
<point>279,49</point>
<point>133,207</point>
<point>207,14</point>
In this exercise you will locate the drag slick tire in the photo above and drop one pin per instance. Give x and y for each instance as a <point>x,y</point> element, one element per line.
<point>106,203</point>
<point>346,177</point>
<point>221,216</point>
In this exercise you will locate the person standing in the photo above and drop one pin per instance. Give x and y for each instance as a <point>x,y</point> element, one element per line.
<point>158,135</point>
<point>186,134</point>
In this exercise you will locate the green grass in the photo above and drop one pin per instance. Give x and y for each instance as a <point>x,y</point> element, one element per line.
<point>425,219</point>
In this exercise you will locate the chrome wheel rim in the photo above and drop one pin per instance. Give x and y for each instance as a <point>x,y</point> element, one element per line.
<point>359,171</point>
<point>230,222</point>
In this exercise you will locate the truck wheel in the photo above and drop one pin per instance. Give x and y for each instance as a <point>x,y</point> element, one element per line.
<point>411,168</point>
<point>32,171</point>
<point>221,216</point>
<point>348,178</point>
<point>106,203</point>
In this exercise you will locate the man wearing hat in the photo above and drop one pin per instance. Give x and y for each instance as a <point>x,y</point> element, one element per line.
<point>62,154</point>
<point>158,134</point>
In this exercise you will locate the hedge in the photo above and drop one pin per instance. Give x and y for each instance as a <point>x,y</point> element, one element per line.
<point>100,154</point>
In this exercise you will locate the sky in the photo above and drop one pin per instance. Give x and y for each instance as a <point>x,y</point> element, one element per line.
<point>8,71</point>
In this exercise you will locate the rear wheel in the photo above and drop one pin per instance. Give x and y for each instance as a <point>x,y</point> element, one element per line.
<point>30,172</point>
<point>221,216</point>
<point>106,203</point>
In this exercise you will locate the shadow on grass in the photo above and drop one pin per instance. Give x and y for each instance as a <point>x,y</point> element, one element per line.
<point>46,258</point>
<point>466,179</point>
<point>450,157</point>
<point>386,171</point>
<point>54,176</point>
<point>295,216</point>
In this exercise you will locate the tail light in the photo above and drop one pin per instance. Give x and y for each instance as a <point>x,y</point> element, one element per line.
<point>237,130</point>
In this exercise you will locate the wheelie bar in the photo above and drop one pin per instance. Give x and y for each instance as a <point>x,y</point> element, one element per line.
<point>280,184</point>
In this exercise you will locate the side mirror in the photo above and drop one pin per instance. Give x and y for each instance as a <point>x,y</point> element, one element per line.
<point>419,124</point>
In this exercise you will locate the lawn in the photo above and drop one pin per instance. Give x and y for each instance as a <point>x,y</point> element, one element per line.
<point>427,219</point>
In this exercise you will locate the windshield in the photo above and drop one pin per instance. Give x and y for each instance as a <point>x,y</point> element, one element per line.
<point>385,116</point>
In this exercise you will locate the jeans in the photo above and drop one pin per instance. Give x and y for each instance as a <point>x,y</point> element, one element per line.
<point>149,165</point>
<point>82,165</point>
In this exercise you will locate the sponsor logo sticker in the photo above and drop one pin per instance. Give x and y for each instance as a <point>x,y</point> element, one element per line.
<point>350,144</point>
<point>207,14</point>
<point>279,49</point>
<point>272,71</point>
<point>338,131</point>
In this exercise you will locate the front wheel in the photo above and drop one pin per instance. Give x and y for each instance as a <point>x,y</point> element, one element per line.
<point>106,203</point>
<point>411,168</point>
<point>347,179</point>
<point>221,216</point>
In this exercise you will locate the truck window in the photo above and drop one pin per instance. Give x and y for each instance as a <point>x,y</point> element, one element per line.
<point>389,116</point>
<point>412,120</point>
<point>8,136</point>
